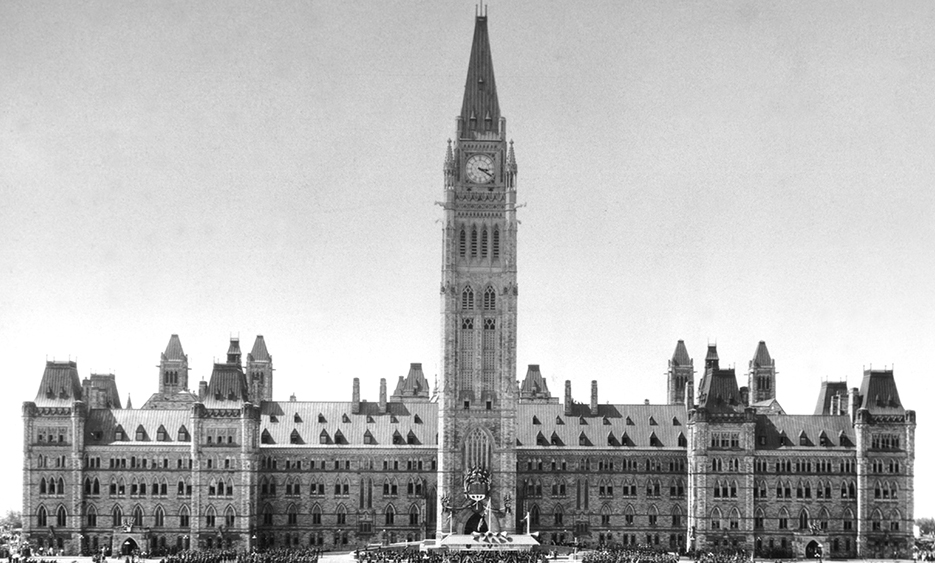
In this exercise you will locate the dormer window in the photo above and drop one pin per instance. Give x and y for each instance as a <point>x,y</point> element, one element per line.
<point>296,418</point>
<point>416,419</point>
<point>345,419</point>
<point>321,418</point>
<point>140,433</point>
<point>559,421</point>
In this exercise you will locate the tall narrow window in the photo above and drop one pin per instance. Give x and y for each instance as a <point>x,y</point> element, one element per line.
<point>496,243</point>
<point>477,450</point>
<point>483,243</point>
<point>467,299</point>
<point>467,354</point>
<point>490,299</point>
<point>474,242</point>
<point>462,248</point>
<point>490,353</point>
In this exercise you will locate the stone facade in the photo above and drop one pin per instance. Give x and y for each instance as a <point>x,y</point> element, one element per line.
<point>227,465</point>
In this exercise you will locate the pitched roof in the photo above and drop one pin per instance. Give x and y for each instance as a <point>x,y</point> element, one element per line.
<point>711,355</point>
<point>102,423</point>
<point>60,385</point>
<point>879,394</point>
<point>228,385</point>
<point>718,391</point>
<point>761,356</point>
<point>259,352</point>
<point>784,431</point>
<point>174,349</point>
<point>680,356</point>
<point>413,385</point>
<point>178,400</point>
<point>480,105</point>
<point>534,385</point>
<point>234,347</point>
<point>828,390</point>
<point>638,422</point>
<point>278,420</point>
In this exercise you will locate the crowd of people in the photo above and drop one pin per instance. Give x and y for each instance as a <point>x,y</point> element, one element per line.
<point>278,555</point>
<point>415,556</point>
<point>629,555</point>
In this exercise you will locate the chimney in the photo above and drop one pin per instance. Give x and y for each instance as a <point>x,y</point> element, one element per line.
<point>568,401</point>
<point>645,401</point>
<point>689,395</point>
<point>594,397</point>
<point>382,394</point>
<point>202,389</point>
<point>745,395</point>
<point>292,398</point>
<point>355,397</point>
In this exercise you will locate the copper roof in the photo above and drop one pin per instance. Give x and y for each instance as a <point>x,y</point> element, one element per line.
<point>60,385</point>
<point>602,431</point>
<point>278,421</point>
<point>879,394</point>
<point>174,349</point>
<point>413,385</point>
<point>228,385</point>
<point>828,390</point>
<point>718,391</point>
<point>801,431</point>
<point>680,356</point>
<point>259,352</point>
<point>534,385</point>
<point>480,110</point>
<point>761,356</point>
<point>102,424</point>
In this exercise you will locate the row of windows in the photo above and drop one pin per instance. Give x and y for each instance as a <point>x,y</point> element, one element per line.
<point>806,466</point>
<point>582,420</point>
<point>803,490</point>
<point>269,462</point>
<point>612,440</point>
<point>606,465</point>
<point>269,517</point>
<point>481,250</point>
<point>137,518</point>
<point>489,303</point>
<point>629,514</point>
<point>605,488</point>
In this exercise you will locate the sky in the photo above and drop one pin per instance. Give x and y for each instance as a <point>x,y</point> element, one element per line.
<point>723,172</point>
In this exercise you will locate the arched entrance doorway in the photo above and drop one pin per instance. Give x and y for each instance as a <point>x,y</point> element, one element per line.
<point>472,524</point>
<point>813,550</point>
<point>129,546</point>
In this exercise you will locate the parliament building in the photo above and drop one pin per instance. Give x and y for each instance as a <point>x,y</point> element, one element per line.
<point>718,465</point>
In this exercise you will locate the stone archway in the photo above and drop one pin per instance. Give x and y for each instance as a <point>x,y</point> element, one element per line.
<point>129,546</point>
<point>813,550</point>
<point>473,522</point>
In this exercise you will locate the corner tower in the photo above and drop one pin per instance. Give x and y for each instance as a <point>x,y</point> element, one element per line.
<point>477,400</point>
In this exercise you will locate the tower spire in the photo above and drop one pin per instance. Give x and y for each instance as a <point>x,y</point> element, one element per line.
<point>480,110</point>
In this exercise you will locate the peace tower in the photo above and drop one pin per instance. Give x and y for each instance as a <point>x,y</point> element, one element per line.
<point>478,394</point>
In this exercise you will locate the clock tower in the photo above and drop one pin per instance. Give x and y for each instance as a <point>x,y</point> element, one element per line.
<point>478,393</point>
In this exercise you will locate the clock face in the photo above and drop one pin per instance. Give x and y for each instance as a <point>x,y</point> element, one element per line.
<point>479,169</point>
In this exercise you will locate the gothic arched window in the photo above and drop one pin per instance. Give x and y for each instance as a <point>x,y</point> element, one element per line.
<point>496,243</point>
<point>483,243</point>
<point>477,450</point>
<point>490,299</point>
<point>474,242</point>
<point>462,239</point>
<point>467,298</point>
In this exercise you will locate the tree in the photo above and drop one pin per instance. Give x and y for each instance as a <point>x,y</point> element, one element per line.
<point>13,519</point>
<point>926,525</point>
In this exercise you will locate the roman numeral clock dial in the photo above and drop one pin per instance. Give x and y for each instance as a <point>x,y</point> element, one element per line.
<point>479,169</point>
